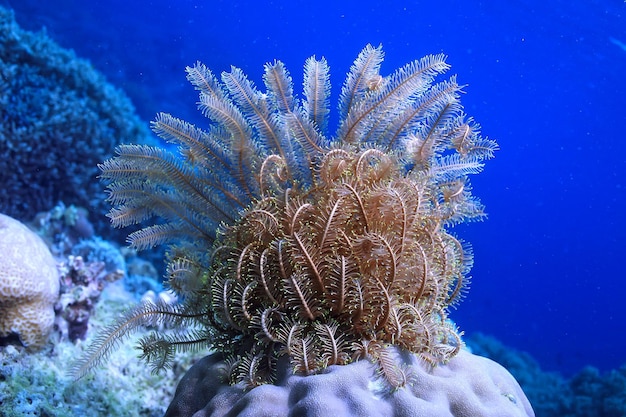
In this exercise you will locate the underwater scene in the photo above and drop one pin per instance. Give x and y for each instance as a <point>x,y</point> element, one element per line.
<point>287,208</point>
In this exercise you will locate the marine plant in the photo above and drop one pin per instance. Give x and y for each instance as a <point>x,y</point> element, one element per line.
<point>285,241</point>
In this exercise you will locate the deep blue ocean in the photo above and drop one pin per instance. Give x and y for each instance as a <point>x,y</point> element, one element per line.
<point>546,79</point>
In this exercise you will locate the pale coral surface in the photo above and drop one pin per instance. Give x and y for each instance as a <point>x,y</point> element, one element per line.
<point>29,284</point>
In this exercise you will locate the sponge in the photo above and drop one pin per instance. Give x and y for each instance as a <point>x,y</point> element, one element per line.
<point>29,284</point>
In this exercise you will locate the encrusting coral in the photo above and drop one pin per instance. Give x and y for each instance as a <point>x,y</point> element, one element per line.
<point>288,243</point>
<point>29,284</point>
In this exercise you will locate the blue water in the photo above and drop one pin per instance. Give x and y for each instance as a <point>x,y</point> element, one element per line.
<point>547,79</point>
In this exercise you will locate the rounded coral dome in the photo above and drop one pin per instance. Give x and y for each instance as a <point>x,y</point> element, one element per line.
<point>29,284</point>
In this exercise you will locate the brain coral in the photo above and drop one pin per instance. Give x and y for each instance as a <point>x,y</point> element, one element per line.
<point>59,119</point>
<point>29,284</point>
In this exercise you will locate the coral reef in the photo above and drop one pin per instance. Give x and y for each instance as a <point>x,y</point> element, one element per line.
<point>81,285</point>
<point>586,394</point>
<point>87,264</point>
<point>62,227</point>
<point>37,385</point>
<point>59,119</point>
<point>467,386</point>
<point>68,232</point>
<point>595,395</point>
<point>29,285</point>
<point>99,250</point>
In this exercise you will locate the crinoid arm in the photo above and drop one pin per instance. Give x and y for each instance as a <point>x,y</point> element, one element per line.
<point>146,314</point>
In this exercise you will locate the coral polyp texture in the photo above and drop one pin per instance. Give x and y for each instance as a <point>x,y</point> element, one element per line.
<point>29,285</point>
<point>289,242</point>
